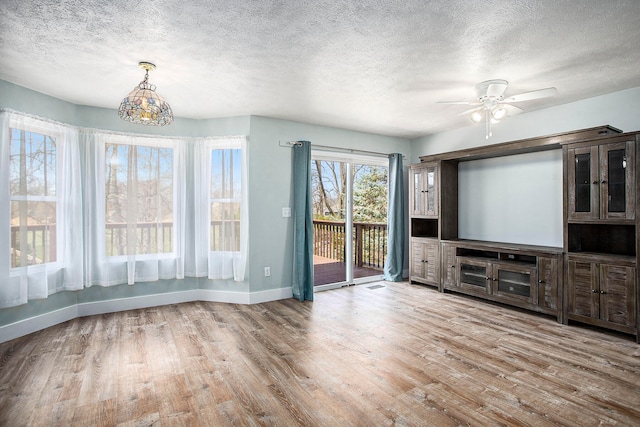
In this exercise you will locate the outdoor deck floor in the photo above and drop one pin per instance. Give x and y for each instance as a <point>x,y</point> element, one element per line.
<point>326,270</point>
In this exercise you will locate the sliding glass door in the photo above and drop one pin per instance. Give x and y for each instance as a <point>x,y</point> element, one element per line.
<point>350,218</point>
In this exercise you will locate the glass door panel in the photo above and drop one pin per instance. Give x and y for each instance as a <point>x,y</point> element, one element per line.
<point>616,183</point>
<point>416,207</point>
<point>472,274</point>
<point>583,182</point>
<point>370,185</point>
<point>329,192</point>
<point>349,219</point>
<point>432,200</point>
<point>514,283</point>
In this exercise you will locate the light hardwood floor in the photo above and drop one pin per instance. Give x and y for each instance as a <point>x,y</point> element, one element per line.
<point>399,354</point>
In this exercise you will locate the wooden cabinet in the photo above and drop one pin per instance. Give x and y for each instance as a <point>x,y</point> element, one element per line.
<point>473,275</point>
<point>601,291</point>
<point>508,281</point>
<point>515,282</point>
<point>591,279</point>
<point>520,275</point>
<point>549,283</point>
<point>448,269</point>
<point>600,181</point>
<point>423,197</point>
<point>601,237</point>
<point>425,261</point>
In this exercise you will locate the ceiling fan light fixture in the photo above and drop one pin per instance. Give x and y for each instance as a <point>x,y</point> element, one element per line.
<point>143,105</point>
<point>493,106</point>
<point>499,113</point>
<point>476,116</point>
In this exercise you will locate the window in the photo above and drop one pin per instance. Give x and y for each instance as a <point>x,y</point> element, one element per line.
<point>85,207</point>
<point>221,208</point>
<point>226,191</point>
<point>34,204</point>
<point>138,200</point>
<point>41,216</point>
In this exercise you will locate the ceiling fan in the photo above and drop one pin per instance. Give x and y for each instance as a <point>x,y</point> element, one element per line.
<point>492,105</point>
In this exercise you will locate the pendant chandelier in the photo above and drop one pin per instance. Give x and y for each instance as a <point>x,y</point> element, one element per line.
<point>143,105</point>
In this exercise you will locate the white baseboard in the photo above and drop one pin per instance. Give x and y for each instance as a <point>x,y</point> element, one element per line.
<point>37,323</point>
<point>134,303</point>
<point>270,295</point>
<point>43,321</point>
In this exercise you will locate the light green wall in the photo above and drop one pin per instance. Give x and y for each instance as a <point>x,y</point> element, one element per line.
<point>270,188</point>
<point>269,180</point>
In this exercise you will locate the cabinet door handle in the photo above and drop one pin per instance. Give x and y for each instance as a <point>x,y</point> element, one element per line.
<point>594,291</point>
<point>602,292</point>
<point>604,181</point>
<point>453,266</point>
<point>595,182</point>
<point>540,281</point>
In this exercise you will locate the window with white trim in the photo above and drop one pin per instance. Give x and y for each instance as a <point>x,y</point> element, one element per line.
<point>225,199</point>
<point>33,197</point>
<point>139,205</point>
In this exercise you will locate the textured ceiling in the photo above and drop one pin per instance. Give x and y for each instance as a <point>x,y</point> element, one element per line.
<point>376,66</point>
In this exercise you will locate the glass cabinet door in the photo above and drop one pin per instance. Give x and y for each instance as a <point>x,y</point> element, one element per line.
<point>472,275</point>
<point>515,281</point>
<point>417,201</point>
<point>600,181</point>
<point>616,161</point>
<point>431,191</point>
<point>424,191</point>
<point>583,183</point>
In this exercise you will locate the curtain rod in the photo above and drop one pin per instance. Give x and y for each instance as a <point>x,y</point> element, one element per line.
<point>342,149</point>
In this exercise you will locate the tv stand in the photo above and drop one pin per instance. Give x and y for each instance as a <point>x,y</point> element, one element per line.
<point>524,276</point>
<point>592,279</point>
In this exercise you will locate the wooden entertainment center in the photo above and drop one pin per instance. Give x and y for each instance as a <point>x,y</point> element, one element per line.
<point>592,279</point>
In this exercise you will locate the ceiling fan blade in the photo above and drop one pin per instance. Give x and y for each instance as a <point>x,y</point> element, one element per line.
<point>459,102</point>
<point>496,89</point>
<point>536,94</point>
<point>512,110</point>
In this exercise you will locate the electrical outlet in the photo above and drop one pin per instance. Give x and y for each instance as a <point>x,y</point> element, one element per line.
<point>267,271</point>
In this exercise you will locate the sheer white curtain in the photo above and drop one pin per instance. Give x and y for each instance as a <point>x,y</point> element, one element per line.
<point>221,208</point>
<point>41,209</point>
<point>82,207</point>
<point>134,208</point>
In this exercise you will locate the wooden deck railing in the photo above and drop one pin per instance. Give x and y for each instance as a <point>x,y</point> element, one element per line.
<point>369,246</point>
<point>369,242</point>
<point>41,240</point>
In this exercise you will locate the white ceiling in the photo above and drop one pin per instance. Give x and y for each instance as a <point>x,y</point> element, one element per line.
<point>376,66</point>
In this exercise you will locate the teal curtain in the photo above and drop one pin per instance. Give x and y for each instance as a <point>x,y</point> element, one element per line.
<point>394,263</point>
<point>303,234</point>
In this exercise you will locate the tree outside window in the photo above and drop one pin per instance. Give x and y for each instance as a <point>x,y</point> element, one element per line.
<point>33,198</point>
